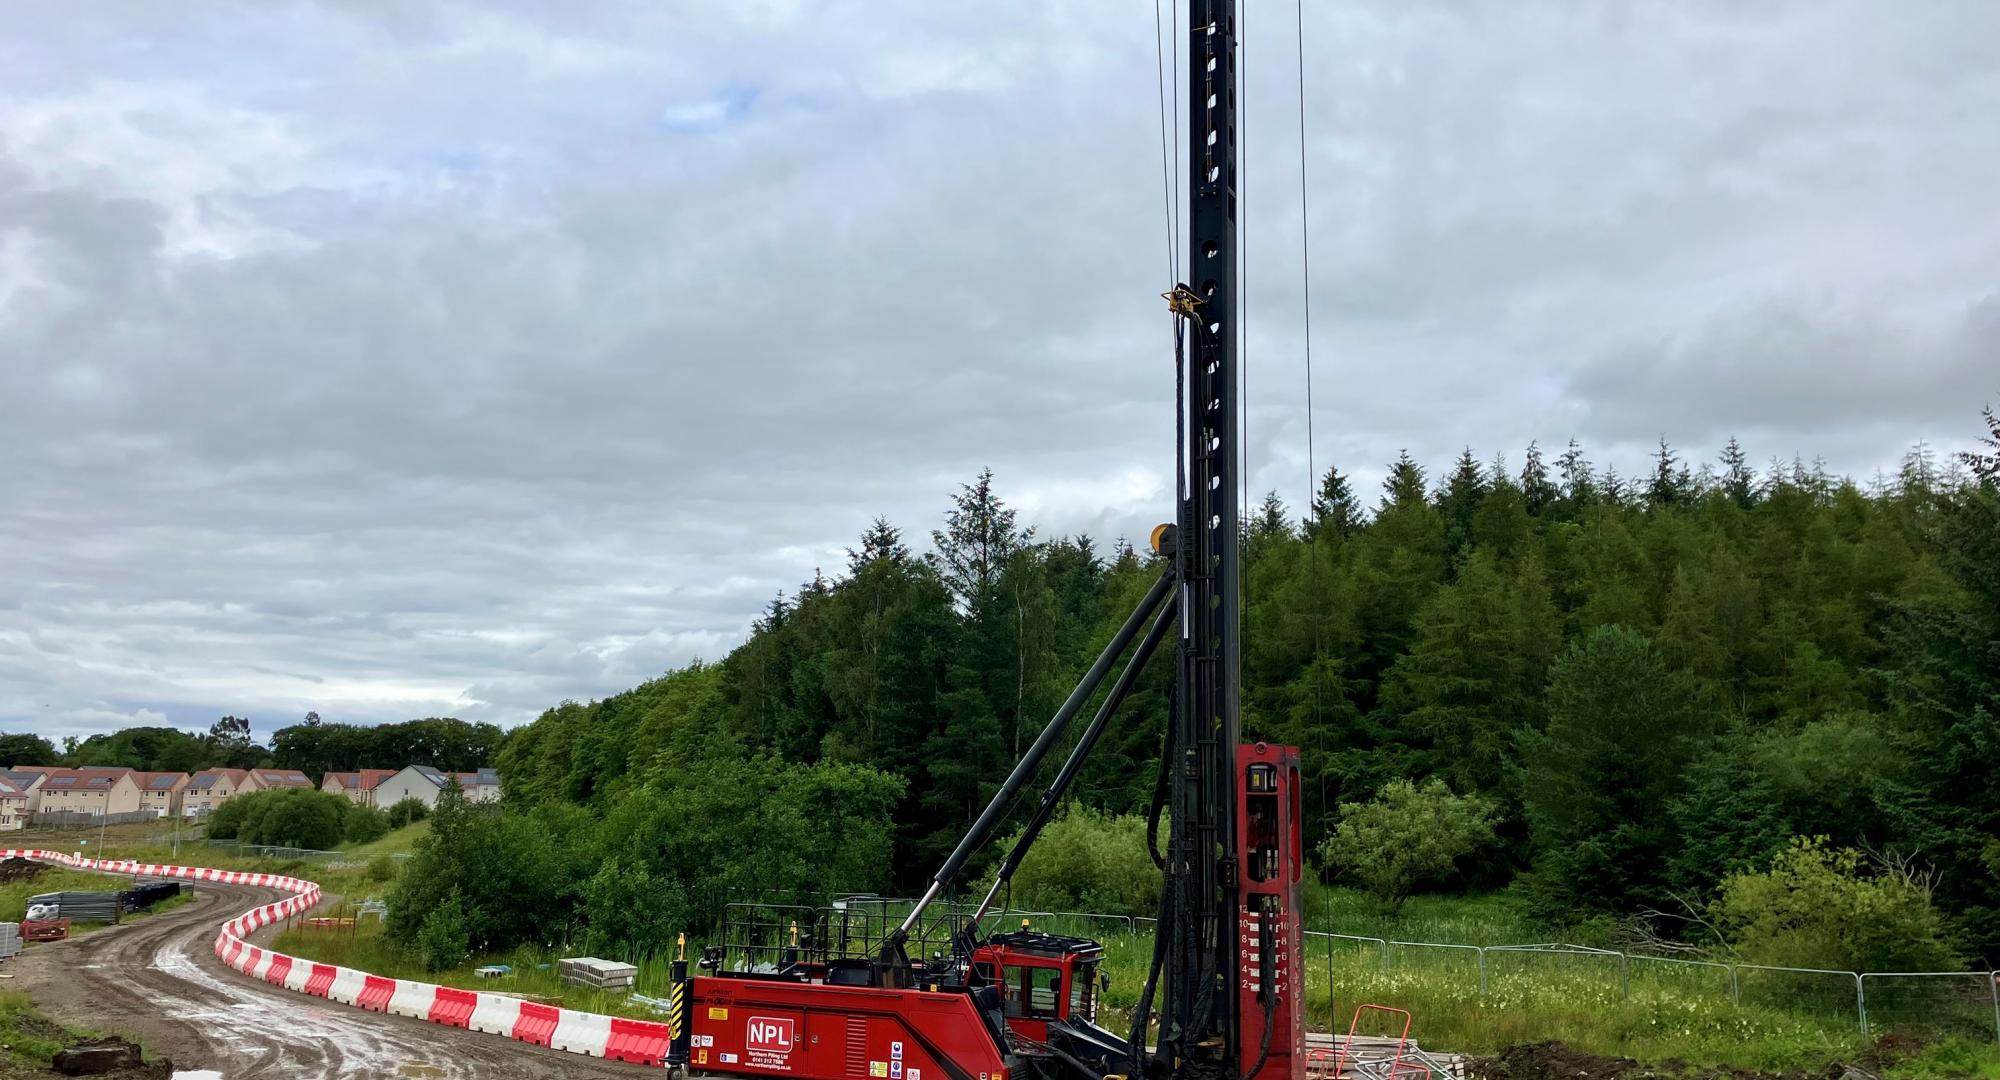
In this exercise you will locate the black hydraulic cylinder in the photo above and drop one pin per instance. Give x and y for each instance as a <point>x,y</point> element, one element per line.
<point>1120,689</point>
<point>1032,760</point>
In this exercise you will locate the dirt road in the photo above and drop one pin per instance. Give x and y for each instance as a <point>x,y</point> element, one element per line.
<point>158,980</point>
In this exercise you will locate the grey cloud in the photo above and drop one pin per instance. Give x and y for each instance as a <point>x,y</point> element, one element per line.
<point>418,360</point>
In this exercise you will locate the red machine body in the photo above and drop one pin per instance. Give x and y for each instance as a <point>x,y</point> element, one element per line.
<point>765,1027</point>
<point>1270,913</point>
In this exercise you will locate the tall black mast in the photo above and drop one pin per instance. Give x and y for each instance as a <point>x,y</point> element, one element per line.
<point>1198,1017</point>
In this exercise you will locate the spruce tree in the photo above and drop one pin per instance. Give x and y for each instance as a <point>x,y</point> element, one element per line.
<point>1334,507</point>
<point>1739,481</point>
<point>1536,487</point>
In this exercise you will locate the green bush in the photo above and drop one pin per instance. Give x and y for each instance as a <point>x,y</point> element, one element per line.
<point>513,878</point>
<point>284,817</point>
<point>443,940</point>
<point>364,825</point>
<point>1824,907</point>
<point>225,822</point>
<point>1407,837</point>
<point>1088,861</point>
<point>381,868</point>
<point>407,811</point>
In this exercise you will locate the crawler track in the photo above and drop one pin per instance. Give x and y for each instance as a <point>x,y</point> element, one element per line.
<point>158,979</point>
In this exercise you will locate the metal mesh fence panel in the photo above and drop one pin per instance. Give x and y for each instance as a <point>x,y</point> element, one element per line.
<point>1936,1003</point>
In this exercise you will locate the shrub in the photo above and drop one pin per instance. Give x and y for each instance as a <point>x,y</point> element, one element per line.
<point>407,812</point>
<point>512,877</point>
<point>443,940</point>
<point>225,822</point>
<point>285,817</point>
<point>1088,861</point>
<point>1824,907</point>
<point>364,825</point>
<point>1407,837</point>
<point>381,868</point>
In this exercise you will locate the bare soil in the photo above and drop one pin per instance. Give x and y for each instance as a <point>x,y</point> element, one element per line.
<point>20,870</point>
<point>157,980</point>
<point>1557,1061</point>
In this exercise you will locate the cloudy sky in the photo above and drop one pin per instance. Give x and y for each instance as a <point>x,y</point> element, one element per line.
<point>406,359</point>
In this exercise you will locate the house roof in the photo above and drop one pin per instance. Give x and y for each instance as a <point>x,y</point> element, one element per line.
<point>282,778</point>
<point>160,781</point>
<point>207,778</point>
<point>11,790</point>
<point>95,778</point>
<point>341,779</point>
<point>22,778</point>
<point>362,780</point>
<point>482,778</point>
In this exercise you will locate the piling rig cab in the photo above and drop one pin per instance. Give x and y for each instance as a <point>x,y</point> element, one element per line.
<point>927,989</point>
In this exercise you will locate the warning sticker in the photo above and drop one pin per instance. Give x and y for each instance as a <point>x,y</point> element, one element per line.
<point>895,1051</point>
<point>717,1014</point>
<point>878,1068</point>
<point>895,1070</point>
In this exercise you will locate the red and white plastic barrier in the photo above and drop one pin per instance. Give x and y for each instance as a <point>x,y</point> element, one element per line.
<point>594,1034</point>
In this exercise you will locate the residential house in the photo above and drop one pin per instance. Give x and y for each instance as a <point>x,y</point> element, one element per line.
<point>480,787</point>
<point>268,779</point>
<point>160,792</point>
<point>210,788</point>
<point>419,782</point>
<point>423,783</point>
<point>358,787</point>
<point>13,804</point>
<point>89,790</point>
<point>29,779</point>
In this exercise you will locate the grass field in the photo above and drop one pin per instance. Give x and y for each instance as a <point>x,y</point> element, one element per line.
<point>1670,1012</point>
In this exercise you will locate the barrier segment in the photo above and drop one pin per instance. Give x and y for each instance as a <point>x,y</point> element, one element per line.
<point>592,1034</point>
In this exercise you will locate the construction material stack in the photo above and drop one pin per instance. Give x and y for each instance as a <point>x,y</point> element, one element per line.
<point>597,974</point>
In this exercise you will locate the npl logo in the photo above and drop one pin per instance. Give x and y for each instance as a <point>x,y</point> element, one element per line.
<point>769,1034</point>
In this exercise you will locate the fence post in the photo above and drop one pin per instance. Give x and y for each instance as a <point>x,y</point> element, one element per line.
<point>1333,1009</point>
<point>1624,978</point>
<point>1735,989</point>
<point>1482,971</point>
<point>1385,954</point>
<point>1861,1002</point>
<point>1993,984</point>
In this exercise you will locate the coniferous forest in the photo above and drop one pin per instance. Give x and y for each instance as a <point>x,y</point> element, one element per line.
<point>1647,683</point>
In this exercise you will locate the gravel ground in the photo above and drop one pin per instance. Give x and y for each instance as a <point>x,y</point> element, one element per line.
<point>158,980</point>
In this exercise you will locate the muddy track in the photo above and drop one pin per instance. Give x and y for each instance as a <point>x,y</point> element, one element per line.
<point>158,980</point>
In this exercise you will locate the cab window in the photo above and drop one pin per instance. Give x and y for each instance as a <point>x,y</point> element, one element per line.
<point>1082,988</point>
<point>1032,993</point>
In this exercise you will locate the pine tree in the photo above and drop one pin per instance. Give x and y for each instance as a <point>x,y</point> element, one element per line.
<point>1986,465</point>
<point>881,541</point>
<point>1670,481</point>
<point>1458,501</point>
<point>1536,488</point>
<point>1334,507</point>
<point>1597,782</point>
<point>1739,481</point>
<point>978,539</point>
<point>1579,486</point>
<point>1404,486</point>
<point>1269,525</point>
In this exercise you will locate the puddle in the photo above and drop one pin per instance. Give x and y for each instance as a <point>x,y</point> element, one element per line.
<point>418,1068</point>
